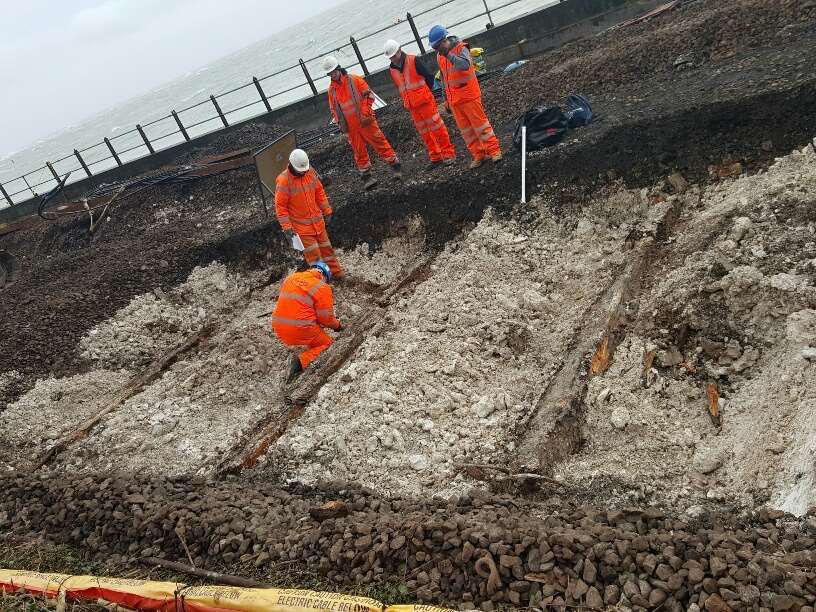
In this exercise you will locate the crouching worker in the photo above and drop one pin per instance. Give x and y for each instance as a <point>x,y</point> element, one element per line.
<point>305,305</point>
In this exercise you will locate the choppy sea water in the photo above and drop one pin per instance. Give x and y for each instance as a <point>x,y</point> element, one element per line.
<point>325,32</point>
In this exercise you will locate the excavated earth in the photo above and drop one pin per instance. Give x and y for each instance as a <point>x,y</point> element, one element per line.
<point>602,397</point>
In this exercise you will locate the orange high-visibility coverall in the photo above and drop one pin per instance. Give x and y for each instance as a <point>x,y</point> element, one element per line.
<point>351,103</point>
<point>300,205</point>
<point>305,303</point>
<point>418,99</point>
<point>464,97</point>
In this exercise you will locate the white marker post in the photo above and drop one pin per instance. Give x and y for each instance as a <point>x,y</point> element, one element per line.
<point>523,164</point>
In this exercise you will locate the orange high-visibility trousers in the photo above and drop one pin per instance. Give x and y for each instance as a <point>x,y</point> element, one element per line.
<point>312,337</point>
<point>476,129</point>
<point>319,248</point>
<point>359,135</point>
<point>433,132</point>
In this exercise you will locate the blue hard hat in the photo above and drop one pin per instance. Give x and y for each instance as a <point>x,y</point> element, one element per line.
<point>324,268</point>
<point>436,35</point>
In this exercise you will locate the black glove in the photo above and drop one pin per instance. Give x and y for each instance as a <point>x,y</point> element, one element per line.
<point>443,50</point>
<point>327,219</point>
<point>339,328</point>
<point>290,234</point>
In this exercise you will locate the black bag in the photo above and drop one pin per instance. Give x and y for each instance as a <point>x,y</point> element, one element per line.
<point>546,126</point>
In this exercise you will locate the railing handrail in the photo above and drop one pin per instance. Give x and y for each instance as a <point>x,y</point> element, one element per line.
<point>146,142</point>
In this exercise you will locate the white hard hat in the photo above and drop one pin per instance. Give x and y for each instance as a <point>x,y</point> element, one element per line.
<point>391,47</point>
<point>299,160</point>
<point>330,63</point>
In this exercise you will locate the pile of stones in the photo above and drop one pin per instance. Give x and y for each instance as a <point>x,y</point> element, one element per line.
<point>474,551</point>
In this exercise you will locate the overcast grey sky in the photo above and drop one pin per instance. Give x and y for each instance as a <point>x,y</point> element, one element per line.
<point>64,60</point>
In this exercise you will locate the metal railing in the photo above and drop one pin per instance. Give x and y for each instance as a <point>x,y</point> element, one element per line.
<point>145,139</point>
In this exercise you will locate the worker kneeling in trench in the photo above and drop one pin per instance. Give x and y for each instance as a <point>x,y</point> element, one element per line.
<point>305,305</point>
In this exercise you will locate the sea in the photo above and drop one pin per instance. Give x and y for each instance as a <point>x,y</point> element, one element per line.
<point>274,60</point>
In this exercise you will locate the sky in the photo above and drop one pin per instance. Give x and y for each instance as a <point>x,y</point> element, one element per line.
<point>64,60</point>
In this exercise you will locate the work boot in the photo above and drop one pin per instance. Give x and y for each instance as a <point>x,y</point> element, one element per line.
<point>369,182</point>
<point>397,169</point>
<point>475,163</point>
<point>496,158</point>
<point>294,368</point>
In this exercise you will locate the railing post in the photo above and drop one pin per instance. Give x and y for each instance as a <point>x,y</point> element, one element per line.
<point>308,77</point>
<point>218,110</point>
<point>113,152</point>
<point>30,188</point>
<point>487,10</point>
<point>82,162</point>
<point>144,137</point>
<point>416,34</point>
<point>180,125</point>
<point>6,195</point>
<point>262,94</point>
<point>53,172</point>
<point>359,55</point>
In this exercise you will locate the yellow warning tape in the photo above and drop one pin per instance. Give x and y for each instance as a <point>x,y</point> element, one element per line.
<point>177,597</point>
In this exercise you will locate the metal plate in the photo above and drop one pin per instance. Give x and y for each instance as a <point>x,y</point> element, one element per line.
<point>272,159</point>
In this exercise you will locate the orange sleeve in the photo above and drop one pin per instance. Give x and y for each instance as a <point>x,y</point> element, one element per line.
<point>365,92</point>
<point>324,307</point>
<point>332,109</point>
<point>282,202</point>
<point>321,198</point>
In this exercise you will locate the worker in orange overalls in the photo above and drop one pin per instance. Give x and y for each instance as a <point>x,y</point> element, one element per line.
<point>414,82</point>
<point>463,96</point>
<point>304,305</point>
<point>302,208</point>
<point>351,102</point>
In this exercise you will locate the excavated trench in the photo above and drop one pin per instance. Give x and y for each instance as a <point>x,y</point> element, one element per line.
<point>499,350</point>
<point>439,220</point>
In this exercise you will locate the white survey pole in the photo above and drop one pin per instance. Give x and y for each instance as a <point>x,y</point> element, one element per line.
<point>523,164</point>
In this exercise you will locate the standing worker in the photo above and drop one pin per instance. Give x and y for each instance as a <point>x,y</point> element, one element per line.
<point>304,305</point>
<point>302,208</point>
<point>463,95</point>
<point>351,102</point>
<point>414,82</point>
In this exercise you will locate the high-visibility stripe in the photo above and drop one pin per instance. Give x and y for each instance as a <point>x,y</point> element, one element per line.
<point>325,312</point>
<point>314,289</point>
<point>312,247</point>
<point>301,187</point>
<point>295,322</point>
<point>329,258</point>
<point>462,80</point>
<point>304,299</point>
<point>429,121</point>
<point>284,219</point>
<point>305,221</point>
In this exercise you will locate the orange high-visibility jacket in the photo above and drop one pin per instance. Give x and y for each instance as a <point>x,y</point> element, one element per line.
<point>301,202</point>
<point>350,100</point>
<point>411,85</point>
<point>460,85</point>
<point>305,299</point>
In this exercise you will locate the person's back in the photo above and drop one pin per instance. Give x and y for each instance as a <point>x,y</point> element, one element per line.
<point>295,301</point>
<point>305,305</point>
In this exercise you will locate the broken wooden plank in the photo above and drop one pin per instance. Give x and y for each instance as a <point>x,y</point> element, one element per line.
<point>218,577</point>
<point>134,386</point>
<point>293,399</point>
